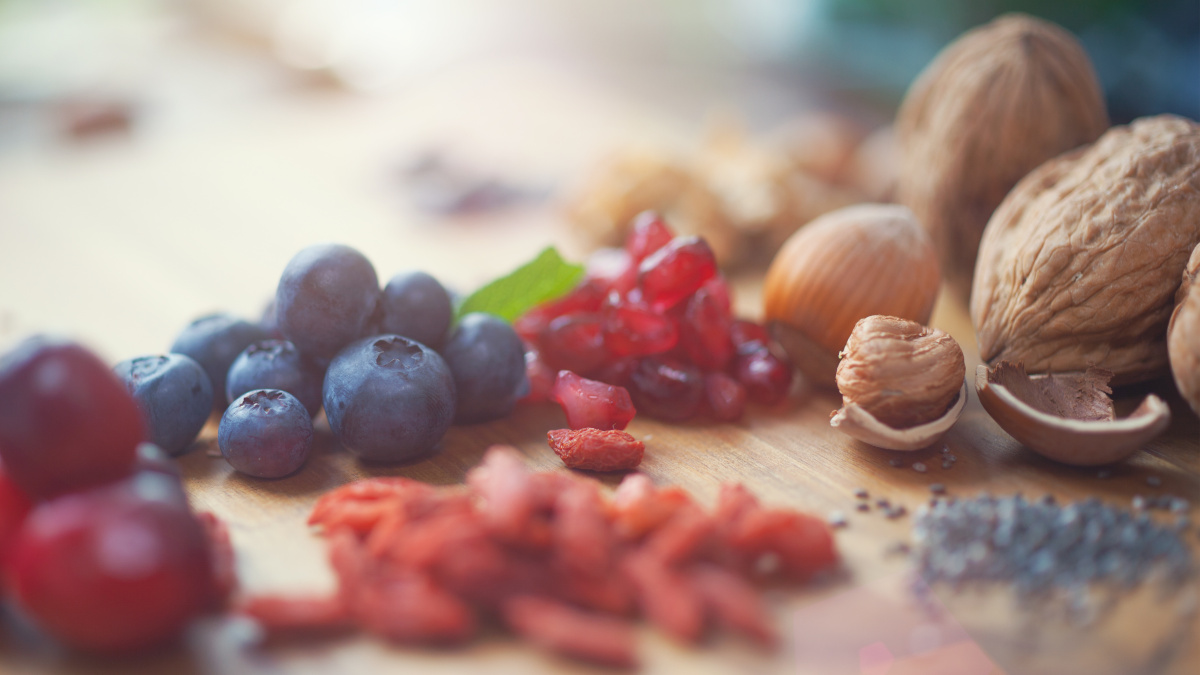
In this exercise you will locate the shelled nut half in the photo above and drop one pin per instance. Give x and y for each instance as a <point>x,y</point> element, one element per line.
<point>903,384</point>
<point>1067,417</point>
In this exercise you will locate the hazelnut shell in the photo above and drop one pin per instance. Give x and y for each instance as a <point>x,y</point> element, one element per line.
<point>1067,417</point>
<point>856,422</point>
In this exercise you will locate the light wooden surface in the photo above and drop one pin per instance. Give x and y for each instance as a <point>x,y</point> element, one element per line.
<point>121,243</point>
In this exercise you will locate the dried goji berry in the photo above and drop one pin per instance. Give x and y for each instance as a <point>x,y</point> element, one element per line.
<point>282,615</point>
<point>666,596</point>
<point>678,539</point>
<point>733,602</point>
<point>411,608</point>
<point>560,628</point>
<point>640,507</point>
<point>596,450</point>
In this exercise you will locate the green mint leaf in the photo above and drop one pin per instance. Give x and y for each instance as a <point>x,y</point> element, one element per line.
<point>544,278</point>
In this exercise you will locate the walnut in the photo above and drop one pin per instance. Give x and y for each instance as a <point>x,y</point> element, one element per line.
<point>1080,264</point>
<point>1183,334</point>
<point>996,103</point>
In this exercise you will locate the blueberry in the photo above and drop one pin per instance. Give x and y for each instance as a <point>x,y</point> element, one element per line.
<point>389,398</point>
<point>266,433</point>
<point>174,394</point>
<point>415,305</point>
<point>275,364</point>
<point>487,359</point>
<point>214,341</point>
<point>325,299</point>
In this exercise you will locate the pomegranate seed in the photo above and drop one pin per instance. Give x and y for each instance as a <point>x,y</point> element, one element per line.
<point>14,506</point>
<point>767,378</point>
<point>574,342</point>
<point>726,397</point>
<point>589,403</point>
<point>66,421</point>
<point>704,331</point>
<point>540,376</point>
<point>586,297</point>
<point>113,569</point>
<point>613,269</point>
<point>666,389</point>
<point>616,372</point>
<point>649,233</point>
<point>718,288</point>
<point>748,337</point>
<point>675,271</point>
<point>633,330</point>
<point>596,450</point>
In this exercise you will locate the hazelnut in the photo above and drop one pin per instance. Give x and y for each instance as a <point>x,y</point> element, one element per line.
<point>849,264</point>
<point>1183,334</point>
<point>902,383</point>
<point>1067,417</point>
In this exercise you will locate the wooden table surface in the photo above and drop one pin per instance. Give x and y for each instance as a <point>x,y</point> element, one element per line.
<point>119,243</point>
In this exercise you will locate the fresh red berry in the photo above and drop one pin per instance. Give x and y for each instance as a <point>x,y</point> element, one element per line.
<point>589,403</point>
<point>574,342</point>
<point>704,331</point>
<point>675,271</point>
<point>648,234</point>
<point>726,397</point>
<point>596,450</point>
<point>113,569</point>
<point>586,297</point>
<point>14,506</point>
<point>767,377</point>
<point>666,389</point>
<point>635,330</point>
<point>66,421</point>
<point>616,372</point>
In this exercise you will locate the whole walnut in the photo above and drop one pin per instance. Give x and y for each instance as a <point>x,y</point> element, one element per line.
<point>993,105</point>
<point>1080,264</point>
<point>1183,334</point>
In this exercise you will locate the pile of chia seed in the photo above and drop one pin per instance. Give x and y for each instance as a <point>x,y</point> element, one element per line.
<point>1041,547</point>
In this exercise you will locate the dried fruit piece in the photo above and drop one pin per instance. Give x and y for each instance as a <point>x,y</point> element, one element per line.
<point>1080,264</point>
<point>288,615</point>
<point>560,628</point>
<point>733,602</point>
<point>675,271</point>
<point>589,403</point>
<point>1067,417</point>
<point>596,450</point>
<point>411,608</point>
<point>666,597</point>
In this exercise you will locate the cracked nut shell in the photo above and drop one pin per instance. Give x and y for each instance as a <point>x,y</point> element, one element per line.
<point>1183,335</point>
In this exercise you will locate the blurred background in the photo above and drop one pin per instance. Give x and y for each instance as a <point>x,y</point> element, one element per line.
<point>173,154</point>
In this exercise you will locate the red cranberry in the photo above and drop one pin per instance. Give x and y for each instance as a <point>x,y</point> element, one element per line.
<point>748,337</point>
<point>14,506</point>
<point>766,377</point>
<point>704,331</point>
<point>726,397</point>
<point>66,421</point>
<point>114,569</point>
<point>541,376</point>
<point>635,330</point>
<point>574,342</point>
<point>666,389</point>
<point>675,271</point>
<point>592,404</point>
<point>649,233</point>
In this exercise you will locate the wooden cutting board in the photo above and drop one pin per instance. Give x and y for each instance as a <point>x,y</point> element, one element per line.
<point>120,244</point>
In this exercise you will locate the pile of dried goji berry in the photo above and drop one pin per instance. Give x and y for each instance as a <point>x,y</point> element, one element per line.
<point>549,555</point>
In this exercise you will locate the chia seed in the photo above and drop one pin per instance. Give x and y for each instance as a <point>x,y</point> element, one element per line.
<point>837,519</point>
<point>945,449</point>
<point>861,493</point>
<point>919,467</point>
<point>882,503</point>
<point>1045,549</point>
<point>1139,503</point>
<point>895,463</point>
<point>1153,481</point>
<point>897,548</point>
<point>947,464</point>
<point>863,506</point>
<point>1179,505</point>
<point>896,512</point>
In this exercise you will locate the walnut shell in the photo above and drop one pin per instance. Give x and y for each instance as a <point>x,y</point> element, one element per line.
<point>1080,264</point>
<point>993,105</point>
<point>1183,335</point>
<point>901,372</point>
<point>846,265</point>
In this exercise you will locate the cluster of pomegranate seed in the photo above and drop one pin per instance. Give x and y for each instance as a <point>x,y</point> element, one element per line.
<point>553,556</point>
<point>655,318</point>
<point>98,544</point>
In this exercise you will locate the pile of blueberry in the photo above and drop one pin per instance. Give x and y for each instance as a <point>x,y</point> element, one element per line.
<point>390,370</point>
